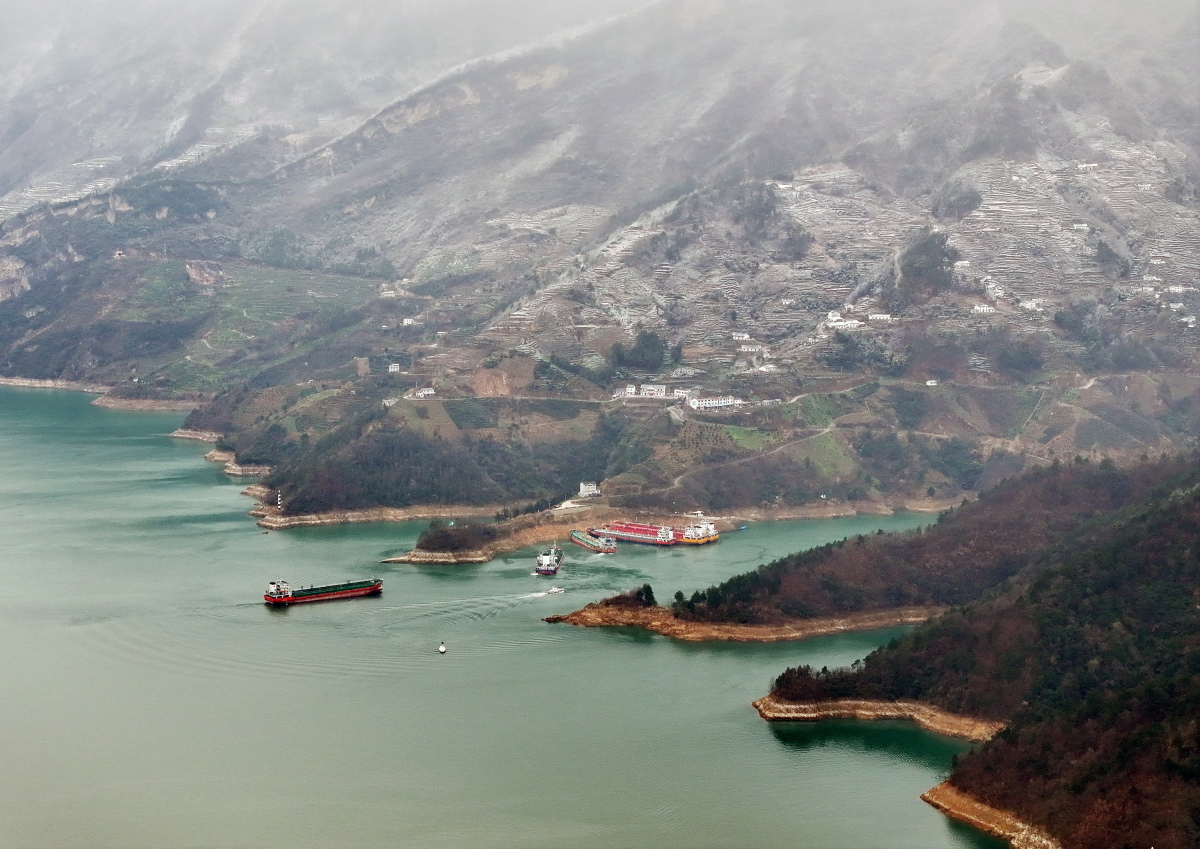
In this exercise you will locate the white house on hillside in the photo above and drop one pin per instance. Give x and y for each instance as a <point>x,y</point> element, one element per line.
<point>724,402</point>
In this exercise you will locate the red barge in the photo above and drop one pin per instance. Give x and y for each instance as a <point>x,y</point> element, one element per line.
<point>697,533</point>
<point>278,592</point>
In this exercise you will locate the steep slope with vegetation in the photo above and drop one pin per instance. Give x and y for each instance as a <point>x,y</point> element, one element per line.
<point>377,460</point>
<point>969,550</point>
<point>724,200</point>
<point>1093,659</point>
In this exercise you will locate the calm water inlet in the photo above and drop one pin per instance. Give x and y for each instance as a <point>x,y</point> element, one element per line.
<point>149,699</point>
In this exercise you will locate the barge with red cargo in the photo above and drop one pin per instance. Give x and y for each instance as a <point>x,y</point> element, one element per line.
<point>698,533</point>
<point>278,592</point>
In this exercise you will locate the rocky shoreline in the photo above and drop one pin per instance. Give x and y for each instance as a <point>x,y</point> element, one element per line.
<point>271,519</point>
<point>662,621</point>
<point>105,399</point>
<point>73,385</point>
<point>927,716</point>
<point>845,509</point>
<point>196,435</point>
<point>948,799</point>
<point>234,470</point>
<point>963,807</point>
<point>147,405</point>
<point>523,531</point>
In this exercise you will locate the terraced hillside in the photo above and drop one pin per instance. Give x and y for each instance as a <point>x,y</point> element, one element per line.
<point>900,291</point>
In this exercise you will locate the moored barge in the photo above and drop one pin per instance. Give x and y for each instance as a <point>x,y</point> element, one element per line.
<point>279,592</point>
<point>698,533</point>
<point>598,544</point>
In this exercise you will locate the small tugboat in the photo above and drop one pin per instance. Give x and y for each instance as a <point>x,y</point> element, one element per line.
<point>278,592</point>
<point>600,545</point>
<point>548,561</point>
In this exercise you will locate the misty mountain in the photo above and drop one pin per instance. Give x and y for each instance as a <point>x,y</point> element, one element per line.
<point>94,92</point>
<point>681,94</point>
<point>1001,194</point>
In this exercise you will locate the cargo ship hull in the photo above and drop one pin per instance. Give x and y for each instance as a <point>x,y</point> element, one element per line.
<point>280,593</point>
<point>636,532</point>
<point>600,545</point>
<point>548,561</point>
<point>699,533</point>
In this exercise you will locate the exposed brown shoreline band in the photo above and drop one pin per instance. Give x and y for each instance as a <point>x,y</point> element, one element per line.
<point>275,522</point>
<point>196,435</point>
<point>945,797</point>
<point>963,807</point>
<point>148,405</point>
<point>72,385</point>
<point>927,716</point>
<point>660,620</point>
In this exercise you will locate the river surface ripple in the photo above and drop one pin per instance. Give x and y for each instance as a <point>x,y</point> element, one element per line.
<point>149,699</point>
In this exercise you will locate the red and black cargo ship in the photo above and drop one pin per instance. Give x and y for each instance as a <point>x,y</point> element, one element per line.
<point>278,592</point>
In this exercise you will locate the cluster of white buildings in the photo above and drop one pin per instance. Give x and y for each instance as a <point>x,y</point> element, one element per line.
<point>720,402</point>
<point>688,396</point>
<point>646,390</point>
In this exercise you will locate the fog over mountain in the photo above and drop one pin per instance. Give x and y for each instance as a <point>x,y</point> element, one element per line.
<point>91,92</point>
<point>94,91</point>
<point>756,258</point>
<point>226,205</point>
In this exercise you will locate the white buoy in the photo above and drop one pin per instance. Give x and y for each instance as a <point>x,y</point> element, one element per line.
<point>442,648</point>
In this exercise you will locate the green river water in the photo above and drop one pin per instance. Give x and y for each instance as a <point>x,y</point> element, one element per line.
<point>149,699</point>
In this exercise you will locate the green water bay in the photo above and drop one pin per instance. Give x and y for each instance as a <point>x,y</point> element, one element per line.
<point>148,698</point>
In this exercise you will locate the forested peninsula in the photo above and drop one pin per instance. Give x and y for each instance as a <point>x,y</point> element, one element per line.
<point>1090,656</point>
<point>968,550</point>
<point>1071,599</point>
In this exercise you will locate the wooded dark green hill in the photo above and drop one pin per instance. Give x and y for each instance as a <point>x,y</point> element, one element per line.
<point>1092,656</point>
<point>968,550</point>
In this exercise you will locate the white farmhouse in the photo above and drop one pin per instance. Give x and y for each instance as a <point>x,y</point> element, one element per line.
<point>427,392</point>
<point>983,309</point>
<point>393,368</point>
<point>724,402</point>
<point>653,390</point>
<point>589,489</point>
